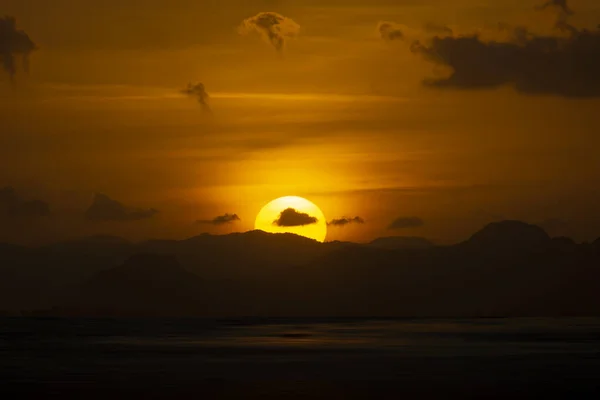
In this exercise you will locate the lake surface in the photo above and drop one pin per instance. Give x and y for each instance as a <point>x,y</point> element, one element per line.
<point>301,358</point>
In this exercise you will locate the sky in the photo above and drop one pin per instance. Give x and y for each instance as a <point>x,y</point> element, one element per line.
<point>390,111</point>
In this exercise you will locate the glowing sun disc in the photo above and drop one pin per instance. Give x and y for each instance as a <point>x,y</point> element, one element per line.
<point>265,220</point>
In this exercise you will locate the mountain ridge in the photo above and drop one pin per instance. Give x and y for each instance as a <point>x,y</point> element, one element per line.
<point>504,269</point>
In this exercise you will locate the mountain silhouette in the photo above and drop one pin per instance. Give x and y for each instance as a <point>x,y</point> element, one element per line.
<point>564,243</point>
<point>509,235</point>
<point>145,285</point>
<point>508,268</point>
<point>402,242</point>
<point>239,255</point>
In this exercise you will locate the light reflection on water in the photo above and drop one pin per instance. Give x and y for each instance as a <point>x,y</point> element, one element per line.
<point>424,337</point>
<point>512,358</point>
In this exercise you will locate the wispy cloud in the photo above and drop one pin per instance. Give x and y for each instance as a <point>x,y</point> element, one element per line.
<point>104,208</point>
<point>406,223</point>
<point>220,220</point>
<point>341,222</point>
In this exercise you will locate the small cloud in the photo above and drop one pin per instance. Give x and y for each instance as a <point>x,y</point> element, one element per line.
<point>341,222</point>
<point>221,220</point>
<point>13,43</point>
<point>290,218</point>
<point>12,205</point>
<point>273,27</point>
<point>198,91</point>
<point>406,222</point>
<point>104,208</point>
<point>390,31</point>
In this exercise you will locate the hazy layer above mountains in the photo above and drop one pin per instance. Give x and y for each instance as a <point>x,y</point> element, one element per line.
<point>507,269</point>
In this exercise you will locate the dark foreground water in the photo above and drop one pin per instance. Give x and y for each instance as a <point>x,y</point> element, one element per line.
<point>329,359</point>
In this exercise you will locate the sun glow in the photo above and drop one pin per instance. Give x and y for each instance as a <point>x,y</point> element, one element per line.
<point>270,218</point>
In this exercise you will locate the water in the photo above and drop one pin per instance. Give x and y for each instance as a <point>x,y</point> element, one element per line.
<point>265,358</point>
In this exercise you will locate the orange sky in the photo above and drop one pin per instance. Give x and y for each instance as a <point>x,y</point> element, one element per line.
<point>340,117</point>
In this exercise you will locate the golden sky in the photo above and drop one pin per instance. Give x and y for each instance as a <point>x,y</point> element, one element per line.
<point>338,116</point>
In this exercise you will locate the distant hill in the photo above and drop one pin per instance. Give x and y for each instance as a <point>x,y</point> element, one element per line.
<point>508,268</point>
<point>401,242</point>
<point>238,255</point>
<point>145,285</point>
<point>509,235</point>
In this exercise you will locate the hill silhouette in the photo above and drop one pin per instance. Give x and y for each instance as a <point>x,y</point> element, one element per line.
<point>145,285</point>
<point>402,242</point>
<point>508,268</point>
<point>509,235</point>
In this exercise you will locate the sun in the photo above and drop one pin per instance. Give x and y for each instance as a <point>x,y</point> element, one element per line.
<point>293,214</point>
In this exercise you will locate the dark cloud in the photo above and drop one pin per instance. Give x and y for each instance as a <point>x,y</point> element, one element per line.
<point>273,27</point>
<point>560,4</point>
<point>563,13</point>
<point>13,43</point>
<point>221,220</point>
<point>564,66</point>
<point>290,218</point>
<point>14,206</point>
<point>104,208</point>
<point>390,31</point>
<point>438,29</point>
<point>346,221</point>
<point>406,222</point>
<point>198,91</point>
<point>518,34</point>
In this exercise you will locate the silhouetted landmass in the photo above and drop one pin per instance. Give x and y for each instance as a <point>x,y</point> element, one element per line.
<point>145,285</point>
<point>402,242</point>
<point>12,205</point>
<point>509,236</point>
<point>509,268</point>
<point>98,244</point>
<point>564,243</point>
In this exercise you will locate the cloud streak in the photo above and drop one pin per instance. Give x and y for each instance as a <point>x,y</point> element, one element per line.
<point>406,223</point>
<point>220,220</point>
<point>341,222</point>
<point>273,27</point>
<point>14,43</point>
<point>292,218</point>
<point>104,208</point>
